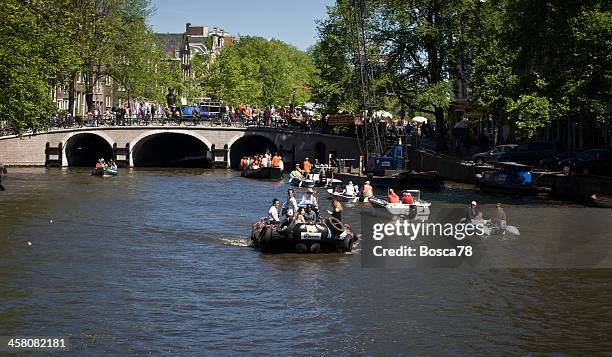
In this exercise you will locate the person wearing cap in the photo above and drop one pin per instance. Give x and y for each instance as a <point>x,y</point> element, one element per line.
<point>392,197</point>
<point>407,199</point>
<point>471,212</point>
<point>309,215</point>
<point>367,190</point>
<point>112,164</point>
<point>297,172</point>
<point>308,198</point>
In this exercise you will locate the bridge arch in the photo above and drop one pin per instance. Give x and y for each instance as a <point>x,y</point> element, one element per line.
<point>248,144</point>
<point>85,148</point>
<point>178,148</point>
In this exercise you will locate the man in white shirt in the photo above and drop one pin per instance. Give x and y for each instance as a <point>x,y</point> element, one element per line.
<point>273,214</point>
<point>290,206</point>
<point>350,189</point>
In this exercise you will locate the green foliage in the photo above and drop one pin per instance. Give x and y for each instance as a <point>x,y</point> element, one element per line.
<point>537,62</point>
<point>255,70</point>
<point>47,42</point>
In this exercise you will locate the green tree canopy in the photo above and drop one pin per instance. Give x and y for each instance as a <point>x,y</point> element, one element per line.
<point>259,71</point>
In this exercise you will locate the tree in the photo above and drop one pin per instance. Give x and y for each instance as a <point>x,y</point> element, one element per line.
<point>257,71</point>
<point>540,62</point>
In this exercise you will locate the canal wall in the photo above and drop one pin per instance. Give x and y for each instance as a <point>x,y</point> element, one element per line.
<point>574,186</point>
<point>447,167</point>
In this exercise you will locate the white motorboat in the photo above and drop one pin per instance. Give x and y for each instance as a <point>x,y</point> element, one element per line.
<point>342,197</point>
<point>301,181</point>
<point>419,209</point>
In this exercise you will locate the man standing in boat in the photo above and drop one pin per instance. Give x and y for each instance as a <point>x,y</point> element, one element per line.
<point>290,206</point>
<point>307,167</point>
<point>367,190</point>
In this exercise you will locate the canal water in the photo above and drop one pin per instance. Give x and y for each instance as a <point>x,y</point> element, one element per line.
<point>158,262</point>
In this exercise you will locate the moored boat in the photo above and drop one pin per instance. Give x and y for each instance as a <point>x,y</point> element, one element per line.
<point>508,178</point>
<point>602,200</point>
<point>424,180</point>
<point>418,210</point>
<point>329,235</point>
<point>264,173</point>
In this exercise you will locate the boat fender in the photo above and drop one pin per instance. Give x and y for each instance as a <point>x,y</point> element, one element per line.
<point>334,225</point>
<point>315,248</point>
<point>266,234</point>
<point>301,248</point>
<point>347,244</point>
<point>286,228</point>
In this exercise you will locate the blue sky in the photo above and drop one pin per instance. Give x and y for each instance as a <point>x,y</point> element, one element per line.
<point>291,21</point>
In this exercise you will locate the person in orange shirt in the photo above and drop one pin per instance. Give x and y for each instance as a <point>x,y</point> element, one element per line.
<point>392,197</point>
<point>276,160</point>
<point>407,199</point>
<point>306,167</point>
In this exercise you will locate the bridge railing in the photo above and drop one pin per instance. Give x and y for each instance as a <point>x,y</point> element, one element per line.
<point>111,120</point>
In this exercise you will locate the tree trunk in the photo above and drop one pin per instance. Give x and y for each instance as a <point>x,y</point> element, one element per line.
<point>441,144</point>
<point>71,93</point>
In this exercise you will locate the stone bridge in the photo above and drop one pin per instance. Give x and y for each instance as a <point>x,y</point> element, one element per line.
<point>169,146</point>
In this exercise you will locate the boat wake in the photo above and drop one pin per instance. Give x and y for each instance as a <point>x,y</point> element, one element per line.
<point>235,241</point>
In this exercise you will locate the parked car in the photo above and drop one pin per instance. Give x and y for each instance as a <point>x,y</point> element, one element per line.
<point>494,154</point>
<point>591,162</point>
<point>555,162</point>
<point>530,153</point>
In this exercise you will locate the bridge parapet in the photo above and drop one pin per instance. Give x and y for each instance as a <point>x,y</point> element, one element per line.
<point>50,148</point>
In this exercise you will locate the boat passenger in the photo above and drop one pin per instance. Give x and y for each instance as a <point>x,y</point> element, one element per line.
<point>113,165</point>
<point>309,215</point>
<point>281,164</point>
<point>478,218</point>
<point>308,198</point>
<point>297,172</point>
<point>264,161</point>
<point>307,167</point>
<point>407,199</point>
<point>367,190</point>
<point>268,158</point>
<point>290,207</point>
<point>299,216</point>
<point>99,164</point>
<point>336,209</point>
<point>501,218</point>
<point>471,212</point>
<point>273,215</point>
<point>242,163</point>
<point>350,189</point>
<point>317,167</point>
<point>275,160</point>
<point>392,197</point>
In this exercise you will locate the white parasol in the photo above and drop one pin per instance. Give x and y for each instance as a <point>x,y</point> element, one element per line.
<point>381,114</point>
<point>419,120</point>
